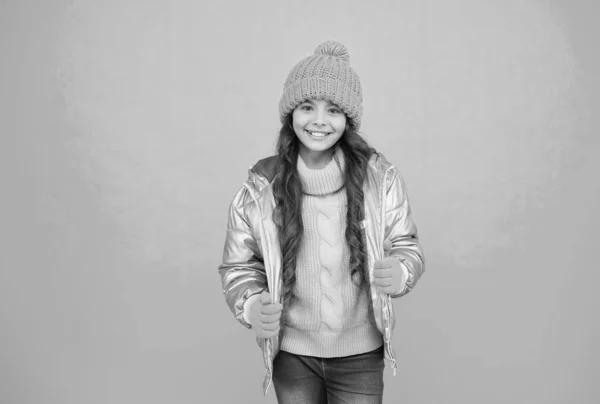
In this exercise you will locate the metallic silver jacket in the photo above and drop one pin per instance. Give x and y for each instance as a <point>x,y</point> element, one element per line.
<point>252,257</point>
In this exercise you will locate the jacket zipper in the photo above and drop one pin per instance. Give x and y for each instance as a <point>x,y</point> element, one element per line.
<point>387,326</point>
<point>268,346</point>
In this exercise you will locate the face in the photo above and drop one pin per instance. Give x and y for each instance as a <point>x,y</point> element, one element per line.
<point>319,124</point>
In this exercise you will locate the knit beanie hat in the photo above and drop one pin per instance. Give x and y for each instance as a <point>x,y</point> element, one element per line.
<point>327,75</point>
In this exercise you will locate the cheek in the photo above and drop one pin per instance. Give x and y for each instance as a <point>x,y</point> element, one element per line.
<point>298,133</point>
<point>298,128</point>
<point>294,121</point>
<point>298,123</point>
<point>340,125</point>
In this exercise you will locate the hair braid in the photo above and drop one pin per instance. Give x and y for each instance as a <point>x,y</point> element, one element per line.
<point>287,191</point>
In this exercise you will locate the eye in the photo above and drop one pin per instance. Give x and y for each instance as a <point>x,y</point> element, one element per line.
<point>306,107</point>
<point>334,110</point>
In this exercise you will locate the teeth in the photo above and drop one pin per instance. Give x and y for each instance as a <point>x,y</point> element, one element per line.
<point>317,134</point>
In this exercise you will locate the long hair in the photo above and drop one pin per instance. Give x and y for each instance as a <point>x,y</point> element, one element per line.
<point>287,190</point>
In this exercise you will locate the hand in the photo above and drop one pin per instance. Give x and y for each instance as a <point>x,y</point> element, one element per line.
<point>389,277</point>
<point>264,316</point>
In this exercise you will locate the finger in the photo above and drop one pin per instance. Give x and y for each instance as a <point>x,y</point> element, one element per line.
<point>383,282</point>
<point>384,289</point>
<point>379,264</point>
<point>272,308</point>
<point>269,333</point>
<point>391,263</point>
<point>383,273</point>
<point>270,326</point>
<point>379,289</point>
<point>387,262</point>
<point>270,318</point>
<point>265,297</point>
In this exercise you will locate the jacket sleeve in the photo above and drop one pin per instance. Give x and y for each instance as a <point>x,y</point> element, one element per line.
<point>242,268</point>
<point>402,232</point>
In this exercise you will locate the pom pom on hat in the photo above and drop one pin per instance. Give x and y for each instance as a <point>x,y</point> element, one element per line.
<point>326,74</point>
<point>333,48</point>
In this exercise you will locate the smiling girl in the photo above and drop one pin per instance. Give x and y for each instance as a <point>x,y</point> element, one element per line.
<point>319,239</point>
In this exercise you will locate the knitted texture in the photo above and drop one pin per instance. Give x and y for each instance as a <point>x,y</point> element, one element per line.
<point>327,75</point>
<point>331,255</point>
<point>330,317</point>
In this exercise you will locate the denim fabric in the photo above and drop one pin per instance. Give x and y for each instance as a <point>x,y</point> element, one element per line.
<point>356,379</point>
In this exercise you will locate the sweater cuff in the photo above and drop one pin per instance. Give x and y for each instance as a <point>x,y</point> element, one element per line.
<point>247,304</point>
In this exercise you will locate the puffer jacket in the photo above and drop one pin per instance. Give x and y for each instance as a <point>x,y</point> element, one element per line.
<point>252,258</point>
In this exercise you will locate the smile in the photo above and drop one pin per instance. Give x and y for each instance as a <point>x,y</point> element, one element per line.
<point>317,135</point>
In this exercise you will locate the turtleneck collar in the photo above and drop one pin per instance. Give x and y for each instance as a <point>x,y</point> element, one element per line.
<point>326,180</point>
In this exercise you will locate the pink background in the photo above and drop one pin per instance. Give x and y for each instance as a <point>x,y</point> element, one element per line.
<point>127,126</point>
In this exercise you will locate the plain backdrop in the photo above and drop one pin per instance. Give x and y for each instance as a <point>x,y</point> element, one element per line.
<point>127,126</point>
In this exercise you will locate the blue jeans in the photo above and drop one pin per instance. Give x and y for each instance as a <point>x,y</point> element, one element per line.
<point>356,379</point>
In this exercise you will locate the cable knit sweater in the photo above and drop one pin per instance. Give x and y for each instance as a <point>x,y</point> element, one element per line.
<point>330,317</point>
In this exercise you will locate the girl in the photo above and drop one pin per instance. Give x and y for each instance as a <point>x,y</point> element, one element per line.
<point>319,239</point>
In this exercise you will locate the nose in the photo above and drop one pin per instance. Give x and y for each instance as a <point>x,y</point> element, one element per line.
<point>319,117</point>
